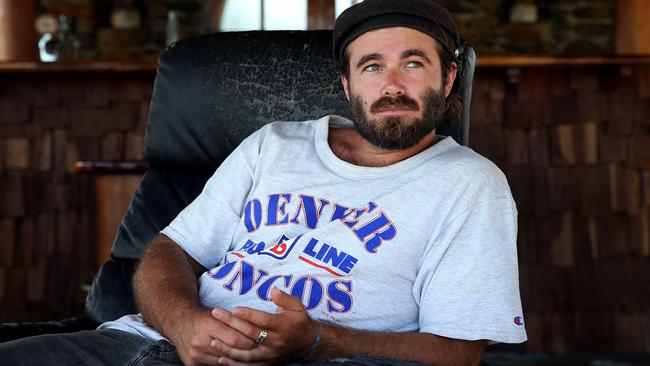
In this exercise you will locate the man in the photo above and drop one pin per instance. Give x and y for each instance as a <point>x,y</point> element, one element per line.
<point>376,237</point>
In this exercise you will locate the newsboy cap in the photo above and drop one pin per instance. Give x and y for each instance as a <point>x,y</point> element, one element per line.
<point>423,15</point>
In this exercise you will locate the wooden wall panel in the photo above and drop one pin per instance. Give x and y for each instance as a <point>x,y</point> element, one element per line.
<point>48,218</point>
<point>584,230</point>
<point>572,141</point>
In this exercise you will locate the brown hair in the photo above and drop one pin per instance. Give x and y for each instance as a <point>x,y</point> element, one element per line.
<point>453,102</point>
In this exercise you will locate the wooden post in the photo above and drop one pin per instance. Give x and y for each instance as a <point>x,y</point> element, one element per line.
<point>632,29</point>
<point>320,14</point>
<point>17,33</point>
<point>215,12</point>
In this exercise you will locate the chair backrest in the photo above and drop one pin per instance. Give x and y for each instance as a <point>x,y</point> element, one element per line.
<point>210,93</point>
<point>468,64</point>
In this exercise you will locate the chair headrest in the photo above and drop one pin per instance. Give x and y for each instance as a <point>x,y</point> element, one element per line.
<point>214,90</point>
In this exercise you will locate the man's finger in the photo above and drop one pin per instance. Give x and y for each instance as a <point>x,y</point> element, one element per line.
<point>258,354</point>
<point>244,327</point>
<point>230,362</point>
<point>217,329</point>
<point>203,359</point>
<point>258,317</point>
<point>285,301</point>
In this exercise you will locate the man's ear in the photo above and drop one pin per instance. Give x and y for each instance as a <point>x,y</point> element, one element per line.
<point>451,76</point>
<point>346,85</point>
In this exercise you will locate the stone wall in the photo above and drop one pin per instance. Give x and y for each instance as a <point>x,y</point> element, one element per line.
<point>93,16</point>
<point>577,27</point>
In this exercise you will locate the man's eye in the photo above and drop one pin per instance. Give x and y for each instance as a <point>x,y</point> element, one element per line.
<point>414,64</point>
<point>373,67</point>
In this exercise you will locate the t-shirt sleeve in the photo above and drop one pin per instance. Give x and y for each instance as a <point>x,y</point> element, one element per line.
<point>205,228</point>
<point>469,289</point>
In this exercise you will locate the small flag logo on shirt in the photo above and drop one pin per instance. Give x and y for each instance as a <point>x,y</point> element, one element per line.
<point>519,320</point>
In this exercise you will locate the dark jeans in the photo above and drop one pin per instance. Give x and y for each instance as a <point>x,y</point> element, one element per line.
<point>102,347</point>
<point>114,347</point>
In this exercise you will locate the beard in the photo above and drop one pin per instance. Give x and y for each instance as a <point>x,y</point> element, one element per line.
<point>395,132</point>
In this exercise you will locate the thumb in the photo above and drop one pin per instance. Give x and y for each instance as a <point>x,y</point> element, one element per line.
<point>284,301</point>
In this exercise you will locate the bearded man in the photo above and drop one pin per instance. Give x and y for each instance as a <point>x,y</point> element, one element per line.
<point>334,238</point>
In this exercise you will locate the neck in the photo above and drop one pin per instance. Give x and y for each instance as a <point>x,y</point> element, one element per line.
<point>348,145</point>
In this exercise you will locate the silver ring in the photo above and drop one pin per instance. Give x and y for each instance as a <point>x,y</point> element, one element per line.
<point>261,337</point>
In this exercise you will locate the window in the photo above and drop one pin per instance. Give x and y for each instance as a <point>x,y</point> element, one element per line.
<point>341,5</point>
<point>278,14</point>
<point>240,15</point>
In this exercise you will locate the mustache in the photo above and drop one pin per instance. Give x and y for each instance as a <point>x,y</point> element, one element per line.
<point>399,101</point>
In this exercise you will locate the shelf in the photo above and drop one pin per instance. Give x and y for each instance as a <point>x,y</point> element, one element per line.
<point>483,61</point>
<point>80,66</point>
<point>495,61</point>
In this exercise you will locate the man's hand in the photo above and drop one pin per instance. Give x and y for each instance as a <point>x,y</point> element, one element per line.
<point>196,329</point>
<point>169,302</point>
<point>291,335</point>
<point>291,332</point>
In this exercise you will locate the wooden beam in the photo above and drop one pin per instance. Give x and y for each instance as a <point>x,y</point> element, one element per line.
<point>214,9</point>
<point>17,34</point>
<point>320,14</point>
<point>632,29</point>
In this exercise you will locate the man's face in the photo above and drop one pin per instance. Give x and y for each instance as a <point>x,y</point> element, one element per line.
<point>395,87</point>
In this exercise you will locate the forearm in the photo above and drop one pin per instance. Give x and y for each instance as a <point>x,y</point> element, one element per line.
<point>291,334</point>
<point>165,284</point>
<point>423,347</point>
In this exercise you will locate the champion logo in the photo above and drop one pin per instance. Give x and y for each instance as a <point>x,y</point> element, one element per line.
<point>519,320</point>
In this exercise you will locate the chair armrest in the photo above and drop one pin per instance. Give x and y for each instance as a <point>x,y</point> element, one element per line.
<point>111,167</point>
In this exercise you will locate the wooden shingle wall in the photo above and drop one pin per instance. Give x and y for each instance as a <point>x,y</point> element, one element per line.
<point>48,224</point>
<point>573,142</point>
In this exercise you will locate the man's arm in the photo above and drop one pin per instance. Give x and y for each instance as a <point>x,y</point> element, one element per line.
<point>291,335</point>
<point>166,292</point>
<point>423,347</point>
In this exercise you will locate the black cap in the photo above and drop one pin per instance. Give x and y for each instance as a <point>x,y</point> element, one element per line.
<point>423,15</point>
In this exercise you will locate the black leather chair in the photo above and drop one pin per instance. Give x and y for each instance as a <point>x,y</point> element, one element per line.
<point>210,93</point>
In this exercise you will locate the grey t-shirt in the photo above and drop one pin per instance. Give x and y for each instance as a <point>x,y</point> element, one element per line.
<point>427,244</point>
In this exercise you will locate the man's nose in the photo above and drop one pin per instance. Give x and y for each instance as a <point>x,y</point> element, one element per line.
<point>393,84</point>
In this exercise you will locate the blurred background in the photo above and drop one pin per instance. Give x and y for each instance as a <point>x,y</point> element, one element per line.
<point>561,102</point>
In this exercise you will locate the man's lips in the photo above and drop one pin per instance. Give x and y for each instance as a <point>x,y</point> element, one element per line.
<point>395,109</point>
<point>397,105</point>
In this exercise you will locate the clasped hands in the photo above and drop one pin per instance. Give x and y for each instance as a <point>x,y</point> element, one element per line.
<point>231,338</point>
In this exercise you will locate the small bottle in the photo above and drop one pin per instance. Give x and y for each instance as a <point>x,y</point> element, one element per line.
<point>48,50</point>
<point>172,27</point>
<point>48,45</point>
